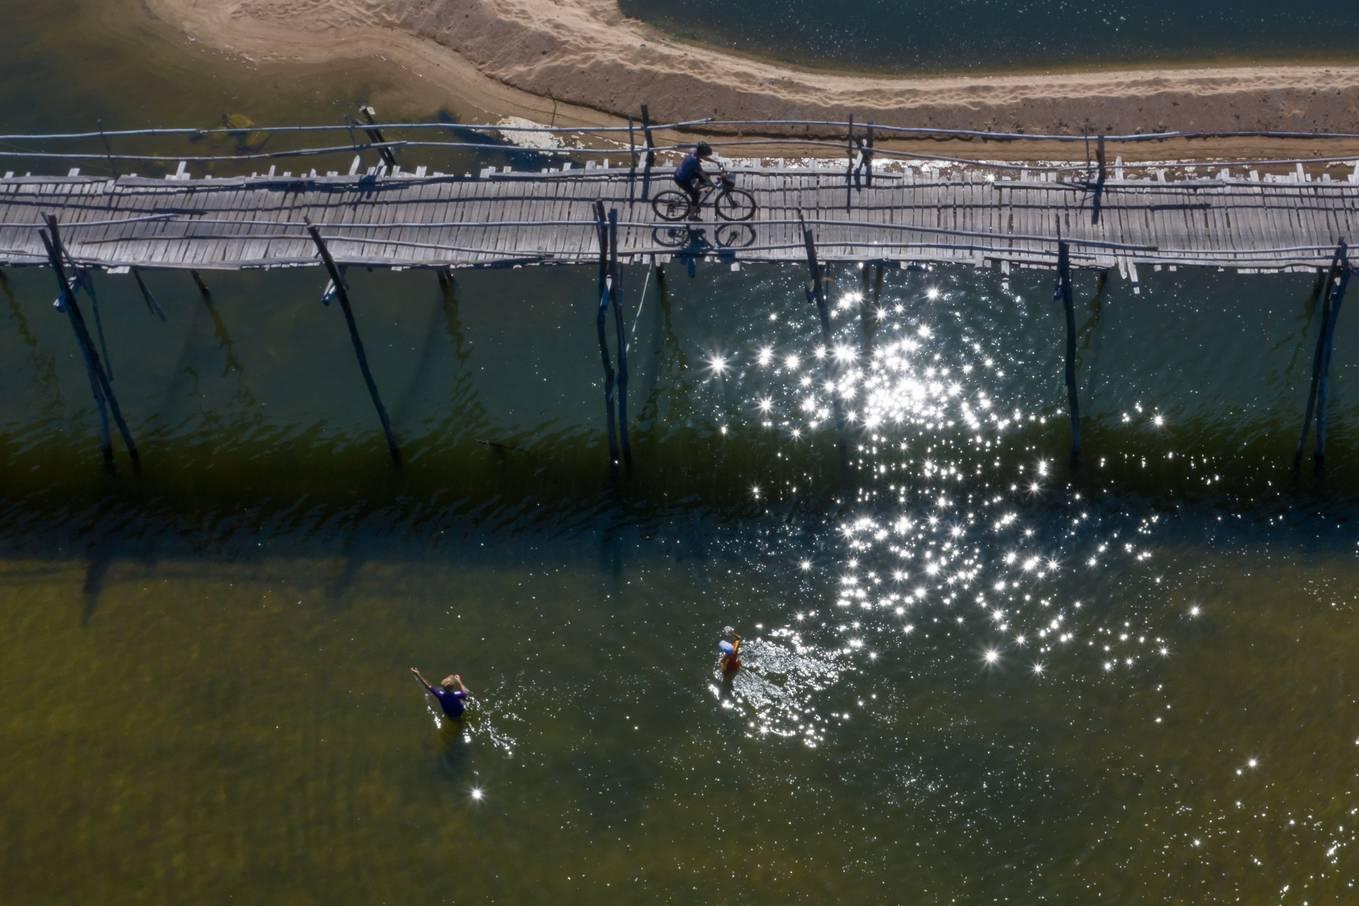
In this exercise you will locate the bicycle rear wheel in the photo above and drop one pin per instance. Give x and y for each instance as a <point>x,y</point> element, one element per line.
<point>671,206</point>
<point>736,204</point>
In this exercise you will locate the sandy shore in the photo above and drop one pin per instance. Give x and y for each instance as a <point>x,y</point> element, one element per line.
<point>505,56</point>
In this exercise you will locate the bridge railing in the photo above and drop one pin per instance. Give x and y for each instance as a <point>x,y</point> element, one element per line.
<point>457,147</point>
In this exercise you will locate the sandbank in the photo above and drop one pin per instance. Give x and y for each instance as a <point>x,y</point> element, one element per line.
<point>511,56</point>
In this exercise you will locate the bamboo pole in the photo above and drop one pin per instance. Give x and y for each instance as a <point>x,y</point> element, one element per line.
<point>650,160</point>
<point>375,136</point>
<point>849,167</point>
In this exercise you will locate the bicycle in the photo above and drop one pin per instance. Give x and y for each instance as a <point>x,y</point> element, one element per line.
<point>730,203</point>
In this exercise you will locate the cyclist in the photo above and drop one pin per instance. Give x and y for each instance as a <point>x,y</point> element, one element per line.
<point>691,177</point>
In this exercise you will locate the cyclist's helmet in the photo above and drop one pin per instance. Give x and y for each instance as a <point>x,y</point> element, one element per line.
<point>703,149</point>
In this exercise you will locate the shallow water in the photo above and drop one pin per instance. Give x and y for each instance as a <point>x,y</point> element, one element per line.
<point>970,677</point>
<point>992,35</point>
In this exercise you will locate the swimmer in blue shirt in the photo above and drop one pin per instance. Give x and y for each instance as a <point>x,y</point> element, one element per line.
<point>452,700</point>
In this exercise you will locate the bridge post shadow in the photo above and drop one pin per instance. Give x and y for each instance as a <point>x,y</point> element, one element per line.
<point>342,294</point>
<point>102,387</point>
<point>816,292</point>
<point>1063,292</point>
<point>610,377</point>
<point>1332,291</point>
<point>620,330</point>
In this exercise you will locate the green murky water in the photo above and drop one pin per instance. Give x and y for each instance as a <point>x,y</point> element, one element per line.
<point>969,678</point>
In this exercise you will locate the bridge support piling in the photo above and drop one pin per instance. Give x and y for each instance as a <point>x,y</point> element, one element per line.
<point>1324,294</point>
<point>866,158</point>
<point>1064,292</point>
<point>105,401</point>
<point>108,150</point>
<point>375,136</point>
<point>602,232</point>
<point>632,158</point>
<point>1098,201</point>
<point>202,287</point>
<point>849,167</point>
<point>620,330</point>
<point>1336,293</point>
<point>342,294</point>
<point>149,299</point>
<point>650,160</point>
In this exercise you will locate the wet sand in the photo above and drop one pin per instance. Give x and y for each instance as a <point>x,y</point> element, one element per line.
<point>511,56</point>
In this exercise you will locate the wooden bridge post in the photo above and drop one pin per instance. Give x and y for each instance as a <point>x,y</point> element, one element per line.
<point>108,149</point>
<point>650,160</point>
<point>1064,291</point>
<point>342,293</point>
<point>632,157</point>
<point>620,329</point>
<point>868,164</point>
<point>650,140</point>
<point>602,232</point>
<point>375,136</point>
<point>1098,202</point>
<point>849,167</point>
<point>105,400</point>
<point>146,294</point>
<point>82,278</point>
<point>1319,355</point>
<point>816,287</point>
<point>447,282</point>
<point>1337,297</point>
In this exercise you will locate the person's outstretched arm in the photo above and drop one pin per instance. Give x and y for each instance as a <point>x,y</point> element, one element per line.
<point>457,678</point>
<point>415,671</point>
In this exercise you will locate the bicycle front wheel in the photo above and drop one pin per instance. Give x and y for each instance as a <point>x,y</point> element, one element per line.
<point>736,204</point>
<point>671,206</point>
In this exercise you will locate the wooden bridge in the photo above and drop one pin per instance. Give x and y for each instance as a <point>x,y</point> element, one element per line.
<point>389,219</point>
<point>914,209</point>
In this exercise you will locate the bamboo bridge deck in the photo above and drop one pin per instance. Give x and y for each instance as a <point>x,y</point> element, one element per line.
<point>1163,217</point>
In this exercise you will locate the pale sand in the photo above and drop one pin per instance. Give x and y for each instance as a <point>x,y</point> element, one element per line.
<point>504,56</point>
